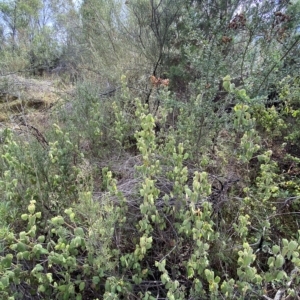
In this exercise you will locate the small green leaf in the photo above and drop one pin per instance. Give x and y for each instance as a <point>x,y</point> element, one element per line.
<point>21,247</point>
<point>81,286</point>
<point>41,288</point>
<point>26,255</point>
<point>6,262</point>
<point>62,287</point>
<point>191,273</point>
<point>22,235</point>
<point>271,261</point>
<point>279,261</point>
<point>68,211</point>
<point>72,216</point>
<point>275,249</point>
<point>165,278</point>
<point>31,207</point>
<point>226,83</point>
<point>5,281</point>
<point>217,279</point>
<point>285,242</point>
<point>79,232</point>
<point>281,275</point>
<point>41,239</point>
<point>209,275</point>
<point>96,280</point>
<point>49,277</point>
<point>37,268</point>
<point>59,220</point>
<point>24,217</point>
<point>292,246</point>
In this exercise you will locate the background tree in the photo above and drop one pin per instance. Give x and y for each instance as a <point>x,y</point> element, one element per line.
<point>234,37</point>
<point>34,32</point>
<point>18,16</point>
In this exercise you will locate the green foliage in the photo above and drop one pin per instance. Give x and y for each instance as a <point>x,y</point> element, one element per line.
<point>57,263</point>
<point>79,247</point>
<point>48,175</point>
<point>177,191</point>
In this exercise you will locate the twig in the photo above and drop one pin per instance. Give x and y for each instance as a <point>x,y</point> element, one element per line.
<point>168,253</point>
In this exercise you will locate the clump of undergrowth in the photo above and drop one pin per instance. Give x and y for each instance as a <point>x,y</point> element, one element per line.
<point>156,221</point>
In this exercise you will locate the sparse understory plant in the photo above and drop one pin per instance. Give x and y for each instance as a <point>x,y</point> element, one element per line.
<point>177,228</point>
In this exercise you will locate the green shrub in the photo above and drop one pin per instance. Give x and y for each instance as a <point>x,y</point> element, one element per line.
<point>171,228</point>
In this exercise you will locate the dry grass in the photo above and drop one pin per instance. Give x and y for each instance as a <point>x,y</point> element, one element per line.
<point>19,95</point>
